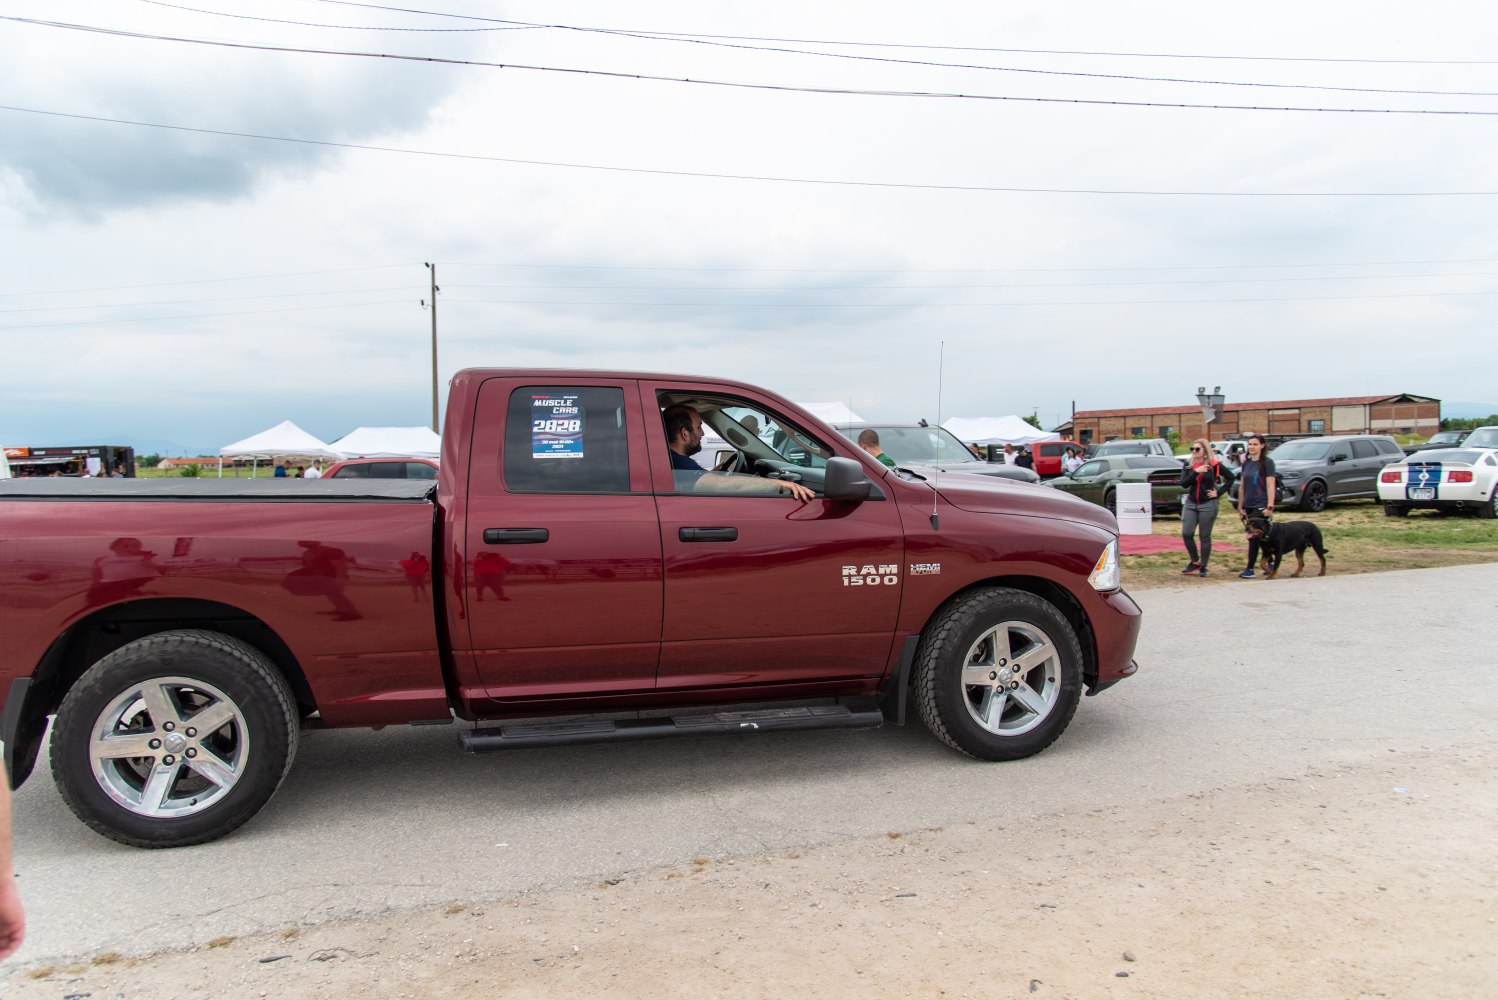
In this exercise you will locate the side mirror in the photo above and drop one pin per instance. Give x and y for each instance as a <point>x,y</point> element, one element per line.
<point>844,480</point>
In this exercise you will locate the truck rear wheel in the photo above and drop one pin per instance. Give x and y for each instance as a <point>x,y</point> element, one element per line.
<point>999,674</point>
<point>174,739</point>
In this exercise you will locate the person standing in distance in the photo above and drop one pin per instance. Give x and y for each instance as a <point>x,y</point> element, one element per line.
<point>12,917</point>
<point>868,440</point>
<point>1203,479</point>
<point>1255,494</point>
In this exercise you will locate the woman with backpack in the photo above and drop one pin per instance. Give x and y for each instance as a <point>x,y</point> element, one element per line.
<point>1204,479</point>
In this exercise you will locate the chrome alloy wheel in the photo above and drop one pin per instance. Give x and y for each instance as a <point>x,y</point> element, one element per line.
<point>1011,678</point>
<point>169,747</point>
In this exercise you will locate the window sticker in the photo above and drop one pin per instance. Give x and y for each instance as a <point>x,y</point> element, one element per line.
<point>556,427</point>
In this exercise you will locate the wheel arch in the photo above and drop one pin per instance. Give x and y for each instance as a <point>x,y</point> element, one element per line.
<point>97,635</point>
<point>1305,490</point>
<point>1048,591</point>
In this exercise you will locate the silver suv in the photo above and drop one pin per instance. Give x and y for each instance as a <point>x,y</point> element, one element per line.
<point>1134,446</point>
<point>1318,470</point>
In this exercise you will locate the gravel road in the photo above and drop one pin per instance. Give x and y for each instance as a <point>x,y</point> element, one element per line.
<point>1310,734</point>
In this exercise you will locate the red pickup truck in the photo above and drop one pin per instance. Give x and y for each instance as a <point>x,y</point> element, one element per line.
<point>568,564</point>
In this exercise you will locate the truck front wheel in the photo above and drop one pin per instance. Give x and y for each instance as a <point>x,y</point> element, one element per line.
<point>998,674</point>
<point>174,739</point>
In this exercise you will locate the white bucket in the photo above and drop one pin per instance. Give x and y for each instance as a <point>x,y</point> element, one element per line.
<point>1135,508</point>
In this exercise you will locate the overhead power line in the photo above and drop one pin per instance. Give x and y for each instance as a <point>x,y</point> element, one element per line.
<point>928,47</point>
<point>885,60</point>
<point>340,27</point>
<point>804,270</point>
<point>742,85</point>
<point>835,182</point>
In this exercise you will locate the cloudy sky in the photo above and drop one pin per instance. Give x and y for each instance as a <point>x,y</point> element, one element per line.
<point>215,214</point>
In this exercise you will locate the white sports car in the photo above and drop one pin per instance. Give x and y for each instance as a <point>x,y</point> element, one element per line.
<point>1442,479</point>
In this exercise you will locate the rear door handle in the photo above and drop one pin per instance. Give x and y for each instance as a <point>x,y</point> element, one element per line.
<point>515,536</point>
<point>708,534</point>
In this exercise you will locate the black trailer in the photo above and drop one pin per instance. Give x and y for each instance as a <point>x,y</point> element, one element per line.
<point>95,459</point>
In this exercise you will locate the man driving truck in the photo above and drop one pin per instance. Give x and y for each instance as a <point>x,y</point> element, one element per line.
<point>684,437</point>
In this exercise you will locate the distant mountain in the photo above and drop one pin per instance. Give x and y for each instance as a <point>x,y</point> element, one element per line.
<point>1467,411</point>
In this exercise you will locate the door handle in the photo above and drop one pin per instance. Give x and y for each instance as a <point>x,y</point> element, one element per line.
<point>515,536</point>
<point>708,534</point>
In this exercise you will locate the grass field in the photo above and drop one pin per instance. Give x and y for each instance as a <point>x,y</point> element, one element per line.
<point>209,471</point>
<point>1359,539</point>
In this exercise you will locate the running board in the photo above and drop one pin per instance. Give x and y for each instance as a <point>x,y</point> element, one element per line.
<point>858,713</point>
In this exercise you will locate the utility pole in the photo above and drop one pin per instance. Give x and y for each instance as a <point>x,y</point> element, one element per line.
<point>433,268</point>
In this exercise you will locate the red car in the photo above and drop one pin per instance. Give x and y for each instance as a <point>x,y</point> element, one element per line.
<point>1048,456</point>
<point>382,468</point>
<point>571,561</point>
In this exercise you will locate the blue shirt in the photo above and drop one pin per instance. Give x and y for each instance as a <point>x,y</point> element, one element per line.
<point>685,471</point>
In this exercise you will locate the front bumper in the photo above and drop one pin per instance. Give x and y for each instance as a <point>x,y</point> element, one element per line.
<point>1115,630</point>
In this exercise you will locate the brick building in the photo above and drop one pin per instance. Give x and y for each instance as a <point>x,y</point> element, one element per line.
<point>1403,413</point>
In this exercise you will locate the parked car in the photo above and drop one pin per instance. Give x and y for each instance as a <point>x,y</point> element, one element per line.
<point>383,468</point>
<point>1448,479</point>
<point>1316,471</point>
<point>1097,480</point>
<point>1440,439</point>
<point>1048,456</point>
<point>1483,437</point>
<point>935,448</point>
<point>1137,446</point>
<point>1226,448</point>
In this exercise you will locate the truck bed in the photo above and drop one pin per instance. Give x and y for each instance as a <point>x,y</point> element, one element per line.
<point>215,489</point>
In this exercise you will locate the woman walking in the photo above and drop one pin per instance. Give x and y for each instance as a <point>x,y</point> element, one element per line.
<point>1203,479</point>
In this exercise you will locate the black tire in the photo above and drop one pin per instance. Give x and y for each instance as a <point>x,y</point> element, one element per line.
<point>968,689</point>
<point>1490,509</point>
<point>1110,501</point>
<point>1313,498</point>
<point>187,784</point>
<point>1392,509</point>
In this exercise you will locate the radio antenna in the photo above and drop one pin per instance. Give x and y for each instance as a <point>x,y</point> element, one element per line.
<point>941,357</point>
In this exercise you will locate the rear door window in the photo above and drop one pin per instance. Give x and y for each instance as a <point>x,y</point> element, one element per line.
<point>566,439</point>
<point>1363,449</point>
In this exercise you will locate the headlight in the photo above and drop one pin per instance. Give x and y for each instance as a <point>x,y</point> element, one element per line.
<point>1290,477</point>
<point>1105,575</point>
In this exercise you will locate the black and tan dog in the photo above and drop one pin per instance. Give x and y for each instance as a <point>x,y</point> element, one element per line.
<point>1276,538</point>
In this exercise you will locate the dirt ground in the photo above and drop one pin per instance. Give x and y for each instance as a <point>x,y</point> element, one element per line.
<point>1373,880</point>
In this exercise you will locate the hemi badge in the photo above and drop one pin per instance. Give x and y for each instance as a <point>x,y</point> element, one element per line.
<point>925,569</point>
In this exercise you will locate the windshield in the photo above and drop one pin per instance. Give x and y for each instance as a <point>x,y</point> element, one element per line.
<point>786,440</point>
<point>1445,437</point>
<point>1483,437</point>
<point>1123,448</point>
<point>1301,451</point>
<point>1462,456</point>
<point>921,445</point>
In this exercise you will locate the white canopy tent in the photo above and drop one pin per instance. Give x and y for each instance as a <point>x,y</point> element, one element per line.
<point>285,440</point>
<point>389,442</point>
<point>834,413</point>
<point>997,430</point>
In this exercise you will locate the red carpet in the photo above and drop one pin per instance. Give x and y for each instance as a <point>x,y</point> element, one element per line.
<point>1140,545</point>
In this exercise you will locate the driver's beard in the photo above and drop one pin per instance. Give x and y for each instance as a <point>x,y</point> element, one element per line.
<point>693,447</point>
